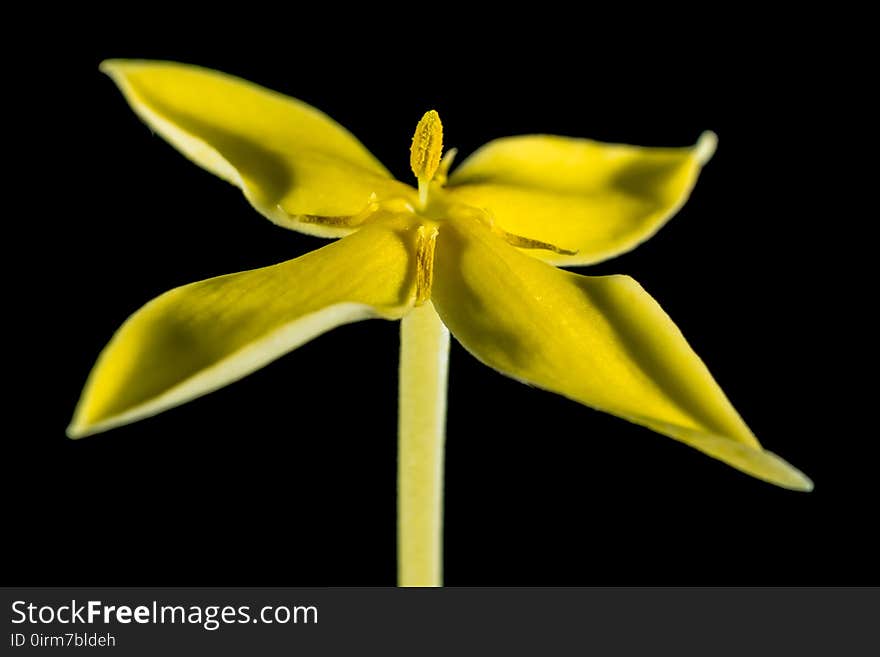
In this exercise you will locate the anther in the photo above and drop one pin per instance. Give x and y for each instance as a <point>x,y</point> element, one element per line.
<point>487,219</point>
<point>426,240</point>
<point>342,221</point>
<point>528,243</point>
<point>338,221</point>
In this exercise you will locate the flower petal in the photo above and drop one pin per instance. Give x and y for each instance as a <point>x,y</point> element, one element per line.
<point>291,161</point>
<point>597,199</point>
<point>199,337</point>
<point>602,341</point>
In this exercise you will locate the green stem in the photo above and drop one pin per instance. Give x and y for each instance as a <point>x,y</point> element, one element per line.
<point>424,364</point>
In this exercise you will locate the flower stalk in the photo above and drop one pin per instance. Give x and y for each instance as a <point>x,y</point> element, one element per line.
<point>424,365</point>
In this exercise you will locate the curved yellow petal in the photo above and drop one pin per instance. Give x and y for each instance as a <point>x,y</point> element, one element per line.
<point>292,162</point>
<point>200,337</point>
<point>597,199</point>
<point>602,341</point>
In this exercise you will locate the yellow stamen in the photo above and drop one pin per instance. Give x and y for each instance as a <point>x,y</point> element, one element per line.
<point>345,221</point>
<point>528,243</point>
<point>445,165</point>
<point>340,221</point>
<point>427,147</point>
<point>520,241</point>
<point>426,240</point>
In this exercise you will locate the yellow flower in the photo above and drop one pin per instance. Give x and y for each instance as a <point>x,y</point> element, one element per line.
<point>474,250</point>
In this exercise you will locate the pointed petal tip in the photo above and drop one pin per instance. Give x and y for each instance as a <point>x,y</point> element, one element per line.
<point>117,65</point>
<point>801,482</point>
<point>116,69</point>
<point>784,474</point>
<point>110,66</point>
<point>76,430</point>
<point>706,146</point>
<point>83,425</point>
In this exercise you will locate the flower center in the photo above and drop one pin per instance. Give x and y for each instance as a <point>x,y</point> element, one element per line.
<point>428,165</point>
<point>430,168</point>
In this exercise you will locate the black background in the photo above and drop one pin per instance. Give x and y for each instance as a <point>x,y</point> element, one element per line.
<point>288,477</point>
